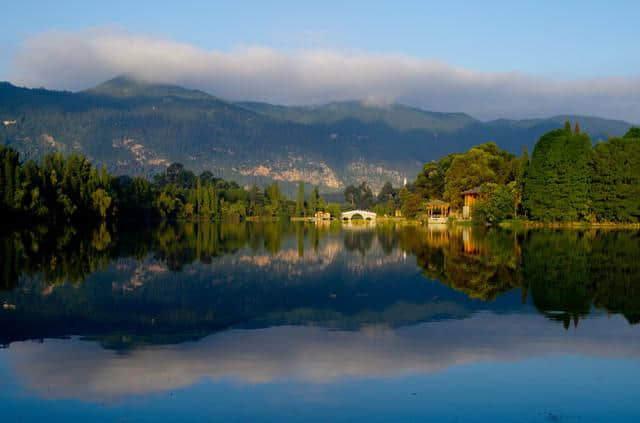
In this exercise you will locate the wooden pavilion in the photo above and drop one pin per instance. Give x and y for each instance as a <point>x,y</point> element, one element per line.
<point>437,211</point>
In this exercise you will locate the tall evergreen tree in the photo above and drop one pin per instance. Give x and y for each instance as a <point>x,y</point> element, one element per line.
<point>314,200</point>
<point>558,178</point>
<point>300,200</point>
<point>213,202</point>
<point>615,188</point>
<point>521,173</point>
<point>205,208</point>
<point>198,196</point>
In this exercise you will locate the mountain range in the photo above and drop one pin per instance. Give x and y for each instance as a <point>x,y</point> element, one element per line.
<point>139,128</point>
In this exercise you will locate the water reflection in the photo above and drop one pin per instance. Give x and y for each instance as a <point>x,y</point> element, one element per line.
<point>481,264</point>
<point>79,369</point>
<point>183,281</point>
<point>283,308</point>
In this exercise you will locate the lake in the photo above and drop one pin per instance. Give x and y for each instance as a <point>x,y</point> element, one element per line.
<point>268,322</point>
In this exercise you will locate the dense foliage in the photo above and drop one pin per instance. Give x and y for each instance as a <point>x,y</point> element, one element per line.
<point>485,163</point>
<point>58,188</point>
<point>388,202</point>
<point>558,178</point>
<point>360,196</point>
<point>496,204</point>
<point>615,179</point>
<point>565,180</point>
<point>72,189</point>
<point>485,167</point>
<point>568,180</point>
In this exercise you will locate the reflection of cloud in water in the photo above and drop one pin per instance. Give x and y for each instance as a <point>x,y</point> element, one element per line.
<point>81,369</point>
<point>289,260</point>
<point>325,255</point>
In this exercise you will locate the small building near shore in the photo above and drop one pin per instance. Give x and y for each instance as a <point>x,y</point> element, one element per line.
<point>470,197</point>
<point>437,211</point>
<point>322,215</point>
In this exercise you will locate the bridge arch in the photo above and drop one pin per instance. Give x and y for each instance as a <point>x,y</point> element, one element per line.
<point>366,215</point>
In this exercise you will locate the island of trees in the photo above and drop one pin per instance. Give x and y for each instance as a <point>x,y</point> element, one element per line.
<point>567,179</point>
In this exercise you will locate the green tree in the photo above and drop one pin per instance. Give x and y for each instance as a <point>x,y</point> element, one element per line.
<point>520,176</point>
<point>615,180</point>
<point>558,178</point>
<point>496,204</point>
<point>275,200</point>
<point>314,201</point>
<point>430,181</point>
<point>334,209</point>
<point>101,202</point>
<point>360,197</point>
<point>481,164</point>
<point>411,202</point>
<point>633,133</point>
<point>168,204</point>
<point>199,196</point>
<point>300,200</point>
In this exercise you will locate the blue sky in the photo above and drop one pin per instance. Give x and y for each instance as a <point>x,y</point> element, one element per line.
<point>572,40</point>
<point>567,39</point>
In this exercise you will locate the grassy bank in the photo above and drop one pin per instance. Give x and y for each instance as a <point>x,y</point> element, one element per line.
<point>516,224</point>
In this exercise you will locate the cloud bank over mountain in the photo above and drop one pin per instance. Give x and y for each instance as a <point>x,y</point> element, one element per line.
<point>80,59</point>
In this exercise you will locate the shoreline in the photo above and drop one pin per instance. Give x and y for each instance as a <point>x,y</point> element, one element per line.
<point>568,225</point>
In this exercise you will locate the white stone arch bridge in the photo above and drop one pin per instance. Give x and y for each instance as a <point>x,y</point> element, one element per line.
<point>366,215</point>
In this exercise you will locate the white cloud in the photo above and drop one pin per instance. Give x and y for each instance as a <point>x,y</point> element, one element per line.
<point>78,60</point>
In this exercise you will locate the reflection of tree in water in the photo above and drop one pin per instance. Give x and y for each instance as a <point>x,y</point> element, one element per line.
<point>359,240</point>
<point>62,254</point>
<point>388,237</point>
<point>568,272</point>
<point>565,272</point>
<point>71,254</point>
<point>615,268</point>
<point>180,244</point>
<point>556,267</point>
<point>479,263</point>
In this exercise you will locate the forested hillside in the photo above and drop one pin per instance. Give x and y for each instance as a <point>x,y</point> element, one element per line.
<point>137,128</point>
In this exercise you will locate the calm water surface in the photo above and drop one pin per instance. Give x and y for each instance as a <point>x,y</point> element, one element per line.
<point>272,322</point>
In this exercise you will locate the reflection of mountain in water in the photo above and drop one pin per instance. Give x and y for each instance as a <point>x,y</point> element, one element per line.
<point>176,282</point>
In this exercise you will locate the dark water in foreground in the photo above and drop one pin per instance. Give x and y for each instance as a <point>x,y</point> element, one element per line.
<point>274,322</point>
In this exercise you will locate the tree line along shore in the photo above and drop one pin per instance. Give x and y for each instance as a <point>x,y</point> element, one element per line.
<point>566,181</point>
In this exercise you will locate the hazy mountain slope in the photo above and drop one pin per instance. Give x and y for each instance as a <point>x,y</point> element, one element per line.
<point>126,87</point>
<point>139,128</point>
<point>398,116</point>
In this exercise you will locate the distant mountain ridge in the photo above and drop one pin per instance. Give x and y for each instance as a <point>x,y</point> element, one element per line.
<point>398,116</point>
<point>127,87</point>
<point>137,127</point>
